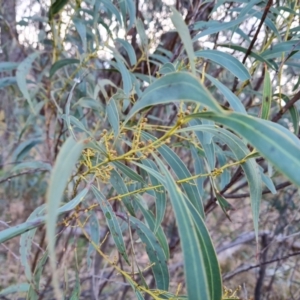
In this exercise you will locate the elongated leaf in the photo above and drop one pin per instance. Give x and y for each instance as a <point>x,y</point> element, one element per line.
<point>195,271</point>
<point>185,36</point>
<point>227,61</point>
<point>252,54</point>
<point>128,172</point>
<point>7,81</point>
<point>276,143</point>
<point>17,230</point>
<point>26,243</point>
<point>21,74</point>
<point>62,63</point>
<point>132,12</point>
<point>278,49</point>
<point>267,96</point>
<point>8,66</point>
<point>225,205</point>
<point>56,7</point>
<point>225,176</point>
<point>118,183</point>
<point>292,110</point>
<point>199,169</point>
<point>129,49</point>
<point>160,195</point>
<point>65,162</point>
<point>268,182</point>
<point>23,149</point>
<point>155,253</point>
<point>250,168</point>
<point>16,288</point>
<point>112,222</point>
<point>211,27</point>
<point>32,165</point>
<point>33,291</point>
<point>113,116</point>
<point>142,34</point>
<point>167,68</point>
<point>108,5</point>
<point>94,235</point>
<point>233,100</point>
<point>181,172</point>
<point>76,290</point>
<point>175,87</point>
<point>209,255</point>
<point>126,78</point>
<point>81,29</point>
<point>159,233</point>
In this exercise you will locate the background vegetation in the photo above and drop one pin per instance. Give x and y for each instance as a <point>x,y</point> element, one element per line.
<point>149,149</point>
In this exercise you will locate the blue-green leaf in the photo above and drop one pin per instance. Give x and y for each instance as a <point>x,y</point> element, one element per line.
<point>181,172</point>
<point>250,168</point>
<point>7,81</point>
<point>196,273</point>
<point>252,54</point>
<point>233,100</point>
<point>175,87</point>
<point>292,110</point>
<point>276,143</point>
<point>81,29</point>
<point>16,288</point>
<point>159,233</point>
<point>267,96</point>
<point>118,183</point>
<point>278,49</point>
<point>94,235</point>
<point>129,49</point>
<point>185,36</point>
<point>160,195</point>
<point>227,61</point>
<point>128,172</point>
<point>62,170</point>
<point>26,242</point>
<point>167,68</point>
<point>8,66</point>
<point>12,232</point>
<point>155,253</point>
<point>142,34</point>
<point>21,74</point>
<point>61,63</point>
<point>112,222</point>
<point>113,116</point>
<point>34,289</point>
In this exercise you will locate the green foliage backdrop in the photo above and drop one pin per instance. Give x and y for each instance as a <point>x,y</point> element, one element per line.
<point>122,112</point>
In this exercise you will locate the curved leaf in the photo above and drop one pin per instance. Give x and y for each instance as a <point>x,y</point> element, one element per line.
<point>252,54</point>
<point>227,61</point>
<point>182,172</point>
<point>240,151</point>
<point>129,49</point>
<point>276,143</point>
<point>112,222</point>
<point>185,36</point>
<point>175,87</point>
<point>62,170</point>
<point>196,273</point>
<point>113,116</point>
<point>14,231</point>
<point>233,100</point>
<point>155,253</point>
<point>61,63</point>
<point>21,74</point>
<point>267,96</point>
